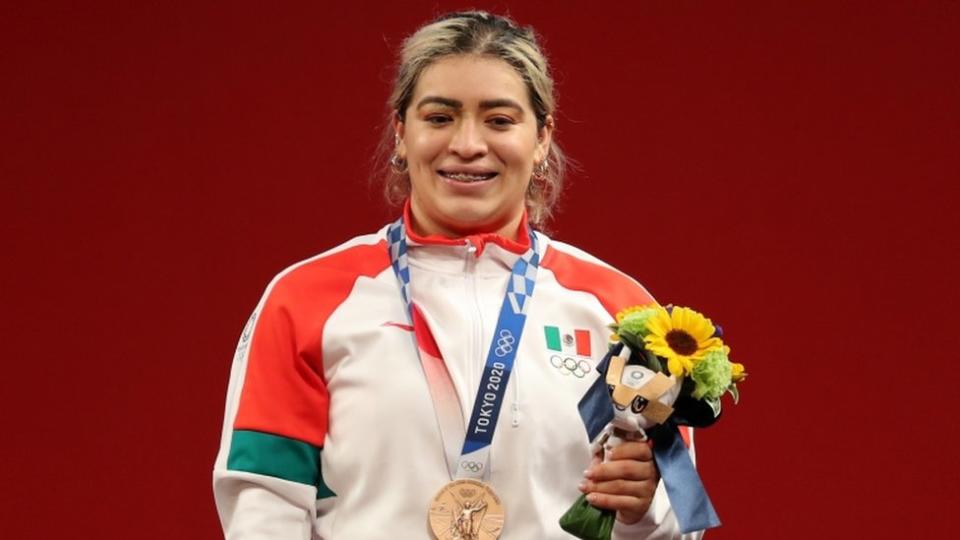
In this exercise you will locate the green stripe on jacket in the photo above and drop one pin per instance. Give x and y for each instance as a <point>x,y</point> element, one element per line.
<point>277,456</point>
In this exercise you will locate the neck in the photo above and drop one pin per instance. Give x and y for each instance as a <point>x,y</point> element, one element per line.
<point>423,226</point>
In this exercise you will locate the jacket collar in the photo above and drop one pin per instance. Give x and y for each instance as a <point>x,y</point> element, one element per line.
<point>519,246</point>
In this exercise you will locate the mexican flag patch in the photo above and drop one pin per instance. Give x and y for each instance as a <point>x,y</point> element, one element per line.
<point>566,341</point>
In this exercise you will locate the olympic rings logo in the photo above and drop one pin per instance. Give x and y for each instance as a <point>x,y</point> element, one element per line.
<point>504,343</point>
<point>570,366</point>
<point>472,466</point>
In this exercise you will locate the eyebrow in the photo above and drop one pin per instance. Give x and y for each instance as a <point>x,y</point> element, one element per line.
<point>457,104</point>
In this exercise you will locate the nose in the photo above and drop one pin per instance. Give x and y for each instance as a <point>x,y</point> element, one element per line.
<point>468,141</point>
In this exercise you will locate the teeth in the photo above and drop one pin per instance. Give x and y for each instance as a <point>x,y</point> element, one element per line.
<point>467,177</point>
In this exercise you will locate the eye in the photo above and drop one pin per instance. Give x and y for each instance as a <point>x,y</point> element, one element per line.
<point>437,119</point>
<point>501,122</point>
<point>638,405</point>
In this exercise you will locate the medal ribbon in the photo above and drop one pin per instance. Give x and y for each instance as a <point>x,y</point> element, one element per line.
<point>475,454</point>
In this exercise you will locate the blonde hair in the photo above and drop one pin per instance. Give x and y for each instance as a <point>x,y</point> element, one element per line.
<point>477,32</point>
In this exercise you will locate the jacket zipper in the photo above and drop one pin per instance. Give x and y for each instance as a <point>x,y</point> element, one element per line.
<point>477,343</point>
<point>476,337</point>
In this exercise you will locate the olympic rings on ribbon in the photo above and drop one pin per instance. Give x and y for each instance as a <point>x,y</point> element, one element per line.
<point>504,343</point>
<point>472,466</point>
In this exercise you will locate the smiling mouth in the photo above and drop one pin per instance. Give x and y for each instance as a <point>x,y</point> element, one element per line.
<point>467,177</point>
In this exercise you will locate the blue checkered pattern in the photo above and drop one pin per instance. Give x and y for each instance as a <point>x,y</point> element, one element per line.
<point>523,278</point>
<point>398,255</point>
<point>519,288</point>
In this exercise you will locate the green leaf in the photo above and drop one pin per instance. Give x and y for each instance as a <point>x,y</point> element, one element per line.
<point>653,361</point>
<point>735,393</point>
<point>631,340</point>
<point>715,405</point>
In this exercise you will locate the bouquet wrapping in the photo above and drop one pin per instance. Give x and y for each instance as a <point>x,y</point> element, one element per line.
<point>667,367</point>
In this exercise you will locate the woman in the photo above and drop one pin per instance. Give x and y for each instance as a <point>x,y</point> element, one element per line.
<point>371,379</point>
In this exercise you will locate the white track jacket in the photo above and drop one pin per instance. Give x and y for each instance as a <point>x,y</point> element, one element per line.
<point>330,431</point>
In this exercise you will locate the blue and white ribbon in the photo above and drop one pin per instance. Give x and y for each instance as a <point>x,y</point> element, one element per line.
<point>475,454</point>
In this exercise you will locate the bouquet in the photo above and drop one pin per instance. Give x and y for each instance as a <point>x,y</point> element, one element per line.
<point>667,367</point>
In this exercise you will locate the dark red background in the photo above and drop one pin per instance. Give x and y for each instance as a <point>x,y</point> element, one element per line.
<point>786,169</point>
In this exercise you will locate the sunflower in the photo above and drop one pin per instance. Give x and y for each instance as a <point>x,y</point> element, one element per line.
<point>681,336</point>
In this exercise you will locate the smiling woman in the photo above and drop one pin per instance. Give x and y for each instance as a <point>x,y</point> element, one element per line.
<point>470,140</point>
<point>369,385</point>
<point>507,52</point>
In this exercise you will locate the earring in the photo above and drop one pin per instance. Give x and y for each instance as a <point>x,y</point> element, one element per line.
<point>540,171</point>
<point>397,164</point>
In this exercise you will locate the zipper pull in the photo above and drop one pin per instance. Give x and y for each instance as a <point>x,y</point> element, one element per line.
<point>471,247</point>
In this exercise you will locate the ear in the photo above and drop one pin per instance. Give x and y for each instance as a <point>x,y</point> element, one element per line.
<point>544,136</point>
<point>398,131</point>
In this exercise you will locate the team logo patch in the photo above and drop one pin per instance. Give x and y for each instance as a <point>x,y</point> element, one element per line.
<point>570,350</point>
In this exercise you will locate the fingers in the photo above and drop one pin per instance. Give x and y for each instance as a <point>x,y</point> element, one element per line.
<point>638,450</point>
<point>629,509</point>
<point>624,469</point>
<point>629,498</point>
<point>629,461</point>
<point>633,488</point>
<point>624,477</point>
<point>626,483</point>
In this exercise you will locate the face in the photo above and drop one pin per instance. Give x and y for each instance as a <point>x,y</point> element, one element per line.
<point>471,141</point>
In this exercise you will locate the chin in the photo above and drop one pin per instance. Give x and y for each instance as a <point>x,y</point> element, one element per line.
<point>461,216</point>
<point>468,218</point>
<point>464,225</point>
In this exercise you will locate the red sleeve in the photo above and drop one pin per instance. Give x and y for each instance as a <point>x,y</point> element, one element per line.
<point>615,290</point>
<point>284,389</point>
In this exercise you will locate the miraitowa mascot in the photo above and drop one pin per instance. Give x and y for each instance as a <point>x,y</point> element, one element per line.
<point>635,398</point>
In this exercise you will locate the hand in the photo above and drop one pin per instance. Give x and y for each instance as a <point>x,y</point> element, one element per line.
<point>625,483</point>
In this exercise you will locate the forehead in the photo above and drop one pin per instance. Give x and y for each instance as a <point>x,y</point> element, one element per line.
<point>471,79</point>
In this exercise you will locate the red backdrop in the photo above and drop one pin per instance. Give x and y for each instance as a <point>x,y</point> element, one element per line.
<point>783,168</point>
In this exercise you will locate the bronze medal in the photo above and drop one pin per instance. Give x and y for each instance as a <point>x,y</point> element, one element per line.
<point>466,509</point>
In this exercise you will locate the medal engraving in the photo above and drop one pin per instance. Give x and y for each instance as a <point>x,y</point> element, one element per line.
<point>466,509</point>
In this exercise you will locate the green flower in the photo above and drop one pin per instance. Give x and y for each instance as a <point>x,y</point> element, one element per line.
<point>712,375</point>
<point>635,322</point>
